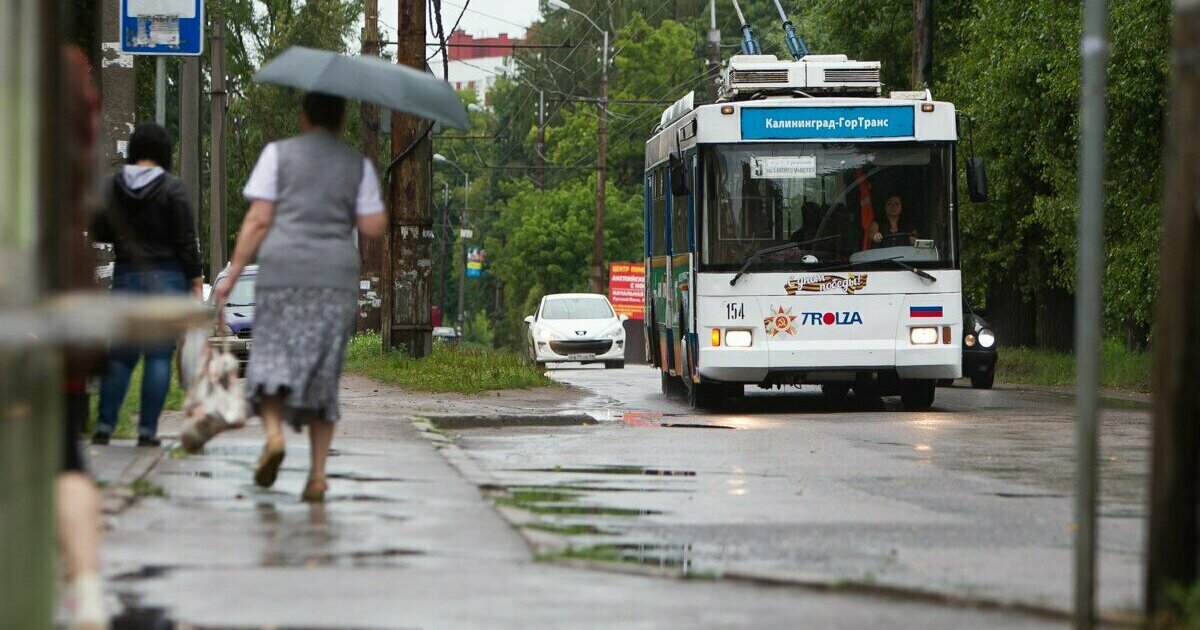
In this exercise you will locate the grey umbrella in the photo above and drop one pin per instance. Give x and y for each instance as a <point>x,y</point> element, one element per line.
<point>368,79</point>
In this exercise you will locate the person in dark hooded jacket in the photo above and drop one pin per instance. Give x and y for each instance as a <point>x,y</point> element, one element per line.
<point>149,221</point>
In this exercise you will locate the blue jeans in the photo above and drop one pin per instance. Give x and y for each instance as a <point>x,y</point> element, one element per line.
<point>156,373</point>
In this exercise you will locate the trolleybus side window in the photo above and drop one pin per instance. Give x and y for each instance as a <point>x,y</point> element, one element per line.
<point>659,213</point>
<point>679,229</point>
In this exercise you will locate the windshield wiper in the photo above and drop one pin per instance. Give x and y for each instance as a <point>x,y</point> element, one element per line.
<point>894,260</point>
<point>773,250</point>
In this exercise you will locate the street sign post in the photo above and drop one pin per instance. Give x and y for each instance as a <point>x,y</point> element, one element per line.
<point>162,27</point>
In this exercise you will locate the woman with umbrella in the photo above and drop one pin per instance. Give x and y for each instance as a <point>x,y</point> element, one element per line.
<point>307,195</point>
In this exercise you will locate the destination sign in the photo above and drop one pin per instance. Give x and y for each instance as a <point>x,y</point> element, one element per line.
<point>819,123</point>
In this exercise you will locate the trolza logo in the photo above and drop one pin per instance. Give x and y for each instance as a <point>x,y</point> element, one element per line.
<point>820,283</point>
<point>780,321</point>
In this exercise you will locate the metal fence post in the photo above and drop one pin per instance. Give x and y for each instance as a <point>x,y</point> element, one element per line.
<point>1088,302</point>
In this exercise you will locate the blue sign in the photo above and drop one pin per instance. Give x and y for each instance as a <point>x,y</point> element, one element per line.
<point>821,123</point>
<point>162,27</point>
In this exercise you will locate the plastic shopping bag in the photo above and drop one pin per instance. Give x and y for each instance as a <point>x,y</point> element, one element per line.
<point>193,353</point>
<point>214,400</point>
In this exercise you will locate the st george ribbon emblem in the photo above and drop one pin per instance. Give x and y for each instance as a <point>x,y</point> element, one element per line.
<point>820,283</point>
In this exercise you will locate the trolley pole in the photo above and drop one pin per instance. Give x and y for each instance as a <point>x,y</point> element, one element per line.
<point>1088,302</point>
<point>1171,556</point>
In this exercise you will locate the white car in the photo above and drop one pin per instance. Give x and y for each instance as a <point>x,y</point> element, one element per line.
<point>576,328</point>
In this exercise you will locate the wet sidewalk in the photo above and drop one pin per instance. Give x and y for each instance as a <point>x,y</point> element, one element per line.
<point>406,542</point>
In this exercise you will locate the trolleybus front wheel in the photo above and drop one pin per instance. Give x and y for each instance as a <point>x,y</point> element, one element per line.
<point>917,394</point>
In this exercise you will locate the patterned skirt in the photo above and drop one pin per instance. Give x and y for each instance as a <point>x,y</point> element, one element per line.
<point>300,336</point>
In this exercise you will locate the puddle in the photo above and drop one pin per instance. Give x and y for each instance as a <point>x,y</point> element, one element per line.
<point>361,477</point>
<point>693,425</point>
<point>380,557</point>
<point>641,418</point>
<point>147,572</point>
<point>667,556</point>
<point>239,474</point>
<point>557,501</point>
<point>615,470</point>
<point>499,422</point>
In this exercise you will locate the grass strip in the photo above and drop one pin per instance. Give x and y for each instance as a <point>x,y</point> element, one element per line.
<point>1119,367</point>
<point>450,368</point>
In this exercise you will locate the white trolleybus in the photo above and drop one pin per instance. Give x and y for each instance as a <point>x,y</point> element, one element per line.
<point>803,230</point>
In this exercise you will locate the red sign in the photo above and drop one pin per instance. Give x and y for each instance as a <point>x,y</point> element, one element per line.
<point>627,288</point>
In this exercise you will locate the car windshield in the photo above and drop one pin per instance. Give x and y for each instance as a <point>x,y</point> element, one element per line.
<point>577,308</point>
<point>242,293</point>
<point>861,203</point>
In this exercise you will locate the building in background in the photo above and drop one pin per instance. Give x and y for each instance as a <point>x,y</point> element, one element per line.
<point>475,63</point>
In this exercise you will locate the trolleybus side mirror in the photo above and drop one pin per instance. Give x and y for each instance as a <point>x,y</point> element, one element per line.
<point>977,186</point>
<point>680,186</point>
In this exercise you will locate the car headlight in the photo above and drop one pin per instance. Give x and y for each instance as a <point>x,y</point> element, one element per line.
<point>738,338</point>
<point>986,338</point>
<point>546,334</point>
<point>923,336</point>
<point>615,333</point>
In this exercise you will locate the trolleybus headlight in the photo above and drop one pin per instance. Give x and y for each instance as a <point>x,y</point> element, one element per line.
<point>969,340</point>
<point>923,336</point>
<point>986,338</point>
<point>738,338</point>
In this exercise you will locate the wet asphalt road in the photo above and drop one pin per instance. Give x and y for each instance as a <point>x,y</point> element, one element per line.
<point>970,499</point>
<point>405,541</point>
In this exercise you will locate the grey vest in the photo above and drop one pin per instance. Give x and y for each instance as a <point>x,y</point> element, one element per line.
<point>311,243</point>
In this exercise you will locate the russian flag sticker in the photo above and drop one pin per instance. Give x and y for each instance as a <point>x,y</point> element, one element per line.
<point>924,311</point>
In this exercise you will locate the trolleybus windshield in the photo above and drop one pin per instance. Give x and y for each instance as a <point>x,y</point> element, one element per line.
<point>865,202</point>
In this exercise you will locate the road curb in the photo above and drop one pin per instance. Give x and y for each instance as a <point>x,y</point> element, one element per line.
<point>118,497</point>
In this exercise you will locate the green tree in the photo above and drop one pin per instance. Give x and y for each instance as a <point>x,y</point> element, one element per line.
<point>543,243</point>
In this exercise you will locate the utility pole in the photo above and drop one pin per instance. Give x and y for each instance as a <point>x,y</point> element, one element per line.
<point>922,57</point>
<point>541,139</point>
<point>597,283</point>
<point>370,249</point>
<point>445,236</point>
<point>1174,495</point>
<point>714,51</point>
<point>118,86</point>
<point>189,133</point>
<point>217,234</point>
<point>1088,302</point>
<point>406,321</point>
